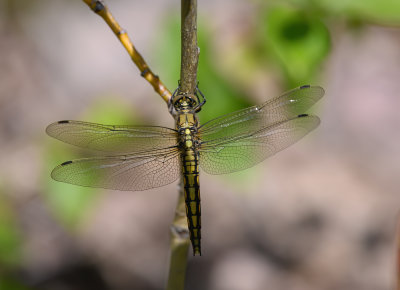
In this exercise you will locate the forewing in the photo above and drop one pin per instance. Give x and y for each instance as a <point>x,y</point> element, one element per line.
<point>124,172</point>
<point>240,123</point>
<point>228,155</point>
<point>110,138</point>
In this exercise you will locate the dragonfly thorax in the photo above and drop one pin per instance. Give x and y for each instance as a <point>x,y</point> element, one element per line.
<point>187,127</point>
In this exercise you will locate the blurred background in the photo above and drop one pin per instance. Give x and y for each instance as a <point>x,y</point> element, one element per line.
<point>319,215</point>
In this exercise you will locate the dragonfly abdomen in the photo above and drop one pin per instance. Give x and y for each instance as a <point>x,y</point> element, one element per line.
<point>192,197</point>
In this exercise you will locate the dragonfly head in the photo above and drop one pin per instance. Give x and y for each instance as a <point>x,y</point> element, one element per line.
<point>185,101</point>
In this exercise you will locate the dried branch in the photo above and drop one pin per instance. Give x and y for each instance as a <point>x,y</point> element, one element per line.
<point>102,10</point>
<point>189,59</point>
<point>189,48</point>
<point>180,243</point>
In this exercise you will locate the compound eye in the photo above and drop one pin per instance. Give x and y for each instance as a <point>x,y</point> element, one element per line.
<point>177,102</point>
<point>193,102</point>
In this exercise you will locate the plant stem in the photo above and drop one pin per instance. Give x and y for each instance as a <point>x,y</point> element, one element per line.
<point>102,10</point>
<point>189,48</point>
<point>188,83</point>
<point>179,246</point>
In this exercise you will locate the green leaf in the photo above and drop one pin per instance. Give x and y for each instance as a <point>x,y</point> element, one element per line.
<point>385,12</point>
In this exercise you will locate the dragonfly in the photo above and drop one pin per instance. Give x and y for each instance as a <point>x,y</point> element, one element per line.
<point>137,158</point>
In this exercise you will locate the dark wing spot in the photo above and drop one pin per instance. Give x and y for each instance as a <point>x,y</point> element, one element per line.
<point>63,122</point>
<point>302,115</point>
<point>305,87</point>
<point>66,163</point>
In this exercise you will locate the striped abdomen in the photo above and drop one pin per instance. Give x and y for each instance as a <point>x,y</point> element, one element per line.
<point>192,197</point>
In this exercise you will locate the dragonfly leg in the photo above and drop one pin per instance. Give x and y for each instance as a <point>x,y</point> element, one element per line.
<point>204,99</point>
<point>171,108</point>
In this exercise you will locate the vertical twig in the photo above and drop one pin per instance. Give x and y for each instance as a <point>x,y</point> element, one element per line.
<point>189,59</point>
<point>180,243</point>
<point>189,48</point>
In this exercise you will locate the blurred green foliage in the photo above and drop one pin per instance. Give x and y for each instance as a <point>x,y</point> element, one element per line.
<point>221,96</point>
<point>67,202</point>
<point>10,244</point>
<point>382,12</point>
<point>11,283</point>
<point>9,235</point>
<point>299,41</point>
<point>291,39</point>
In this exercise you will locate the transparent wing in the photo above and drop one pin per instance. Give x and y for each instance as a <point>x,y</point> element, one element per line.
<point>110,138</point>
<point>123,172</point>
<point>236,153</point>
<point>240,123</point>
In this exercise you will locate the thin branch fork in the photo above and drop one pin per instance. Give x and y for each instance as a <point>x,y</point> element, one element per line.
<point>102,10</point>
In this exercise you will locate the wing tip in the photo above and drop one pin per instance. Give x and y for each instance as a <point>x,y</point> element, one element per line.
<point>55,172</point>
<point>49,128</point>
